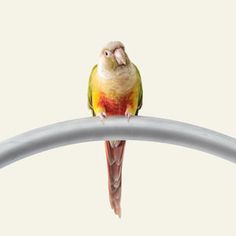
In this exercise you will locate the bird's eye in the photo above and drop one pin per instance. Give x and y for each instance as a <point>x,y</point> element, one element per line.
<point>107,53</point>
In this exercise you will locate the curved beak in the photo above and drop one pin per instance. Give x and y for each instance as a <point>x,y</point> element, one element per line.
<point>120,56</point>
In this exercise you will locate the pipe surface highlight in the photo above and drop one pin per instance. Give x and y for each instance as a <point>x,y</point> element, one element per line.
<point>116,128</point>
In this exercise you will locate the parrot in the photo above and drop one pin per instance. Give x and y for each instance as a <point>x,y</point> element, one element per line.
<point>114,88</point>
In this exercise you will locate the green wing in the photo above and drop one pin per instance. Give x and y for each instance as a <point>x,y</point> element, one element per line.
<point>90,103</point>
<point>140,98</point>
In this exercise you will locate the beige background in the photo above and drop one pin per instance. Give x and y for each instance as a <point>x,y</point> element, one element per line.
<point>185,51</point>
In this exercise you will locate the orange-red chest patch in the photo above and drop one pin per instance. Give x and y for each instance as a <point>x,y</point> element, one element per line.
<point>115,106</point>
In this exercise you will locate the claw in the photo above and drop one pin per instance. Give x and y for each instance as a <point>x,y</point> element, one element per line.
<point>102,116</point>
<point>129,115</point>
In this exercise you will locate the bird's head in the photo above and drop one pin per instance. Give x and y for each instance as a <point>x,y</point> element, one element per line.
<point>113,56</point>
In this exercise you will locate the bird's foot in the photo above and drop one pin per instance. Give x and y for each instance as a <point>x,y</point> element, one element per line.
<point>102,116</point>
<point>128,115</point>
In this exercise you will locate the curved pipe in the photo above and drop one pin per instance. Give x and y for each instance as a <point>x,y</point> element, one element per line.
<point>117,128</point>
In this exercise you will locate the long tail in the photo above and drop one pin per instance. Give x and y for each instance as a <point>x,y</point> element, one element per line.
<point>114,155</point>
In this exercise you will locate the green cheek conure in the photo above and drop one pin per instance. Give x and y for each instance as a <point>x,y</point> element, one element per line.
<point>115,88</point>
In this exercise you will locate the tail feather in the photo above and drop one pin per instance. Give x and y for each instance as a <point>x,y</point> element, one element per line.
<point>114,155</point>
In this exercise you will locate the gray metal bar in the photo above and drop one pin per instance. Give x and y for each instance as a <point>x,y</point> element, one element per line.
<point>116,128</point>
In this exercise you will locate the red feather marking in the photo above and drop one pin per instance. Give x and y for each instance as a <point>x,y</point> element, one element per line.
<point>115,106</point>
<point>114,164</point>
